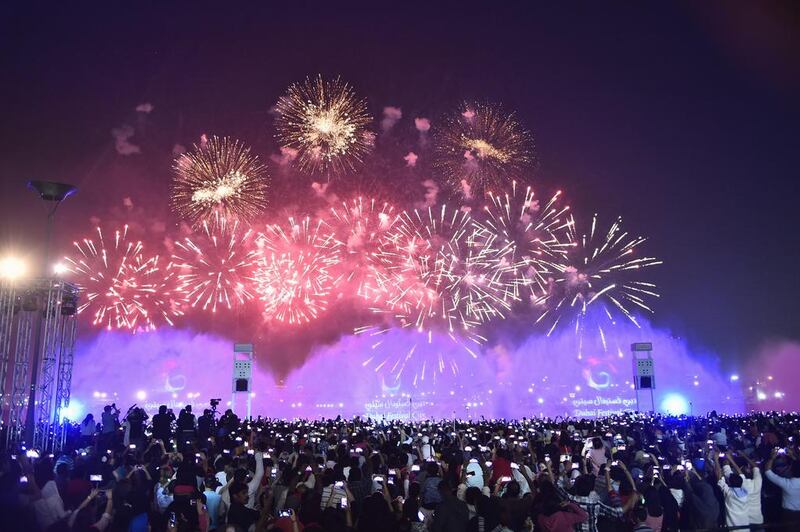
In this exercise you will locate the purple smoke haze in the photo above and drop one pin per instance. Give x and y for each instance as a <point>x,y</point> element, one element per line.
<point>537,375</point>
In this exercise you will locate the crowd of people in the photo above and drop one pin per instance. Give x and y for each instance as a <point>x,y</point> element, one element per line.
<point>632,472</point>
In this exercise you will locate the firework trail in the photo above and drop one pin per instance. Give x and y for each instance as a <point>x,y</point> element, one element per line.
<point>361,227</point>
<point>216,266</point>
<point>481,147</point>
<point>601,271</point>
<point>121,288</point>
<point>531,236</point>
<point>325,122</point>
<point>294,277</point>
<point>219,180</point>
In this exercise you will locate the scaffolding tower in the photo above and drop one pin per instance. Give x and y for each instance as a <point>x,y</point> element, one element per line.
<point>37,339</point>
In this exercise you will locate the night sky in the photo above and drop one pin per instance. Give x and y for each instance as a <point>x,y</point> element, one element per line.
<point>681,117</point>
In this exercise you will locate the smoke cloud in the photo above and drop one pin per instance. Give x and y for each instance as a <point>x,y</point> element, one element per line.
<point>390,117</point>
<point>423,125</point>
<point>431,193</point>
<point>145,107</point>
<point>285,157</point>
<point>121,143</point>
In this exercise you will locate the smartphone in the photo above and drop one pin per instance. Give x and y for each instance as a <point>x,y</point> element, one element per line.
<point>308,469</point>
<point>722,455</point>
<point>615,463</point>
<point>286,513</point>
<point>132,446</point>
<point>173,519</point>
<point>564,457</point>
<point>344,502</point>
<point>575,466</point>
<point>646,455</point>
<point>414,468</point>
<point>393,472</point>
<point>96,478</point>
<point>780,451</point>
<point>378,478</point>
<point>33,453</point>
<point>665,468</point>
<point>681,468</point>
<point>420,515</point>
<point>23,479</point>
<point>488,464</point>
<point>505,479</point>
<point>621,447</point>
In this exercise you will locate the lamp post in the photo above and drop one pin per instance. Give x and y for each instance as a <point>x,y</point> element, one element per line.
<point>53,193</point>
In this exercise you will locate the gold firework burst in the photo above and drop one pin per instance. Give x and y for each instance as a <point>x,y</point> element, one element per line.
<point>219,180</point>
<point>481,147</point>
<point>325,122</point>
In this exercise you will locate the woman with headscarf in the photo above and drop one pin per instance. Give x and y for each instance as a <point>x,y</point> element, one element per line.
<point>472,476</point>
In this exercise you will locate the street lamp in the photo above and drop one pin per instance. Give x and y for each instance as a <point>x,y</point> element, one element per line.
<point>53,193</point>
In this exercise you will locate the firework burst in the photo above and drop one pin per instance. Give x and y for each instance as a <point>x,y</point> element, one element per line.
<point>122,288</point>
<point>216,266</point>
<point>601,272</point>
<point>441,276</point>
<point>481,147</point>
<point>531,236</point>
<point>219,180</point>
<point>361,227</point>
<point>325,122</point>
<point>294,277</point>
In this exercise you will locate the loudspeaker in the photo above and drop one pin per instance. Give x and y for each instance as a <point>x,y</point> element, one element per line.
<point>242,385</point>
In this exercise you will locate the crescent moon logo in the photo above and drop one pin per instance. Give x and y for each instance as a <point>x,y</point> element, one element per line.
<point>175,384</point>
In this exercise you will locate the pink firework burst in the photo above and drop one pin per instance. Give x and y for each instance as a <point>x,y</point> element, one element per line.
<point>294,278</point>
<point>216,266</point>
<point>160,299</point>
<point>122,289</point>
<point>361,227</point>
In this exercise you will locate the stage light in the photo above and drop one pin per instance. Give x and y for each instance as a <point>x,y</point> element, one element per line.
<point>761,396</point>
<point>141,395</point>
<point>74,411</point>
<point>59,268</point>
<point>734,377</point>
<point>11,268</point>
<point>675,404</point>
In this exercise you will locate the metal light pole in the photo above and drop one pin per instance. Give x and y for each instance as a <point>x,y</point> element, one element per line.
<point>53,193</point>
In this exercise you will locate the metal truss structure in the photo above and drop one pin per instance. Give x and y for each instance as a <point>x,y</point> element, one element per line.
<point>37,340</point>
